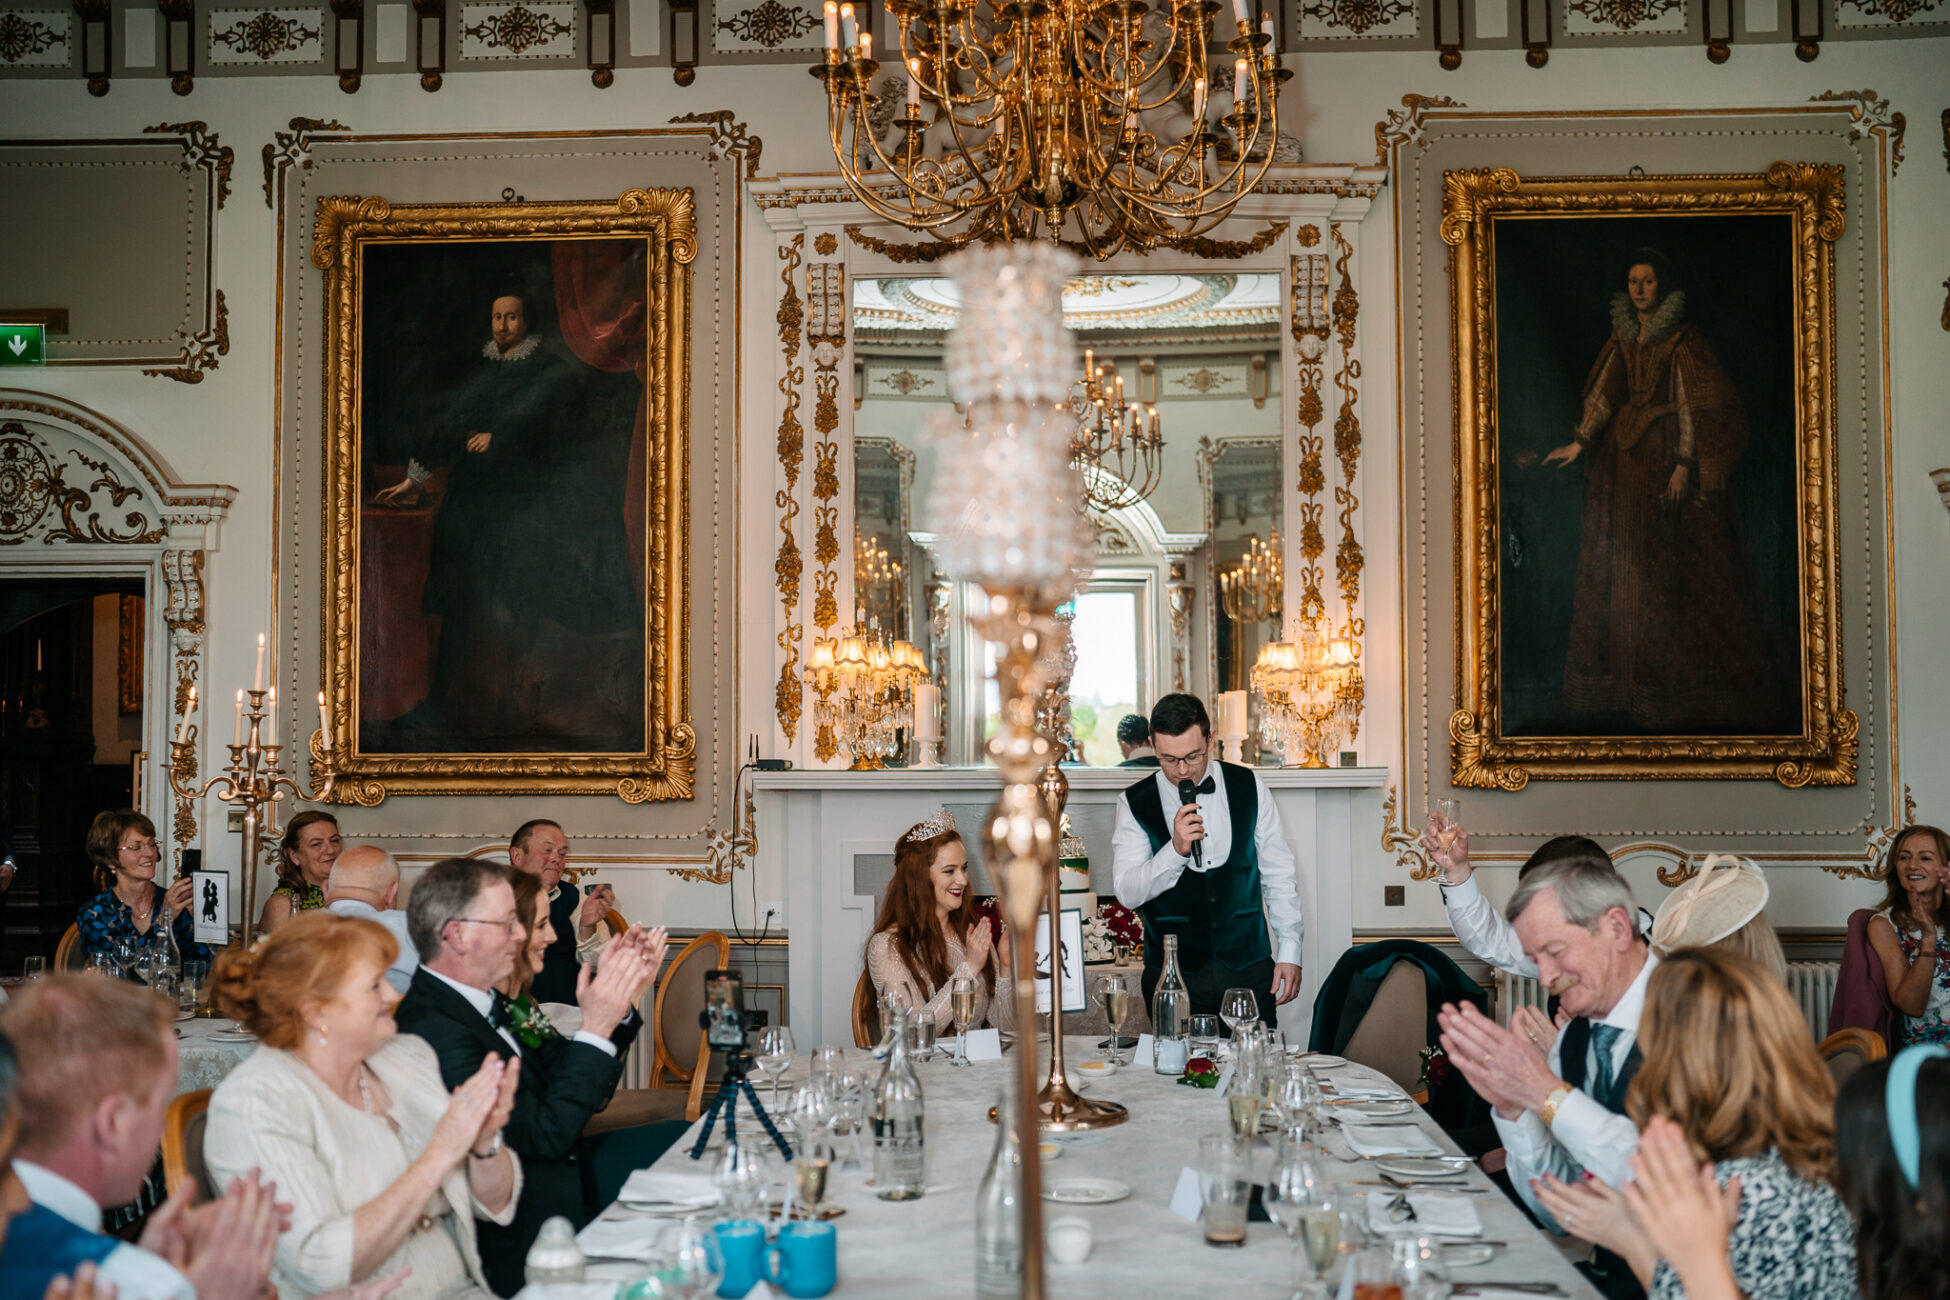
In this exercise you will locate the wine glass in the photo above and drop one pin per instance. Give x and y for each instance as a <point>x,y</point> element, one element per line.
<point>827,1061</point>
<point>124,954</point>
<point>33,968</point>
<point>854,1098</point>
<point>1288,1196</point>
<point>101,962</point>
<point>739,1177</point>
<point>1239,1009</point>
<point>696,1264</point>
<point>774,1056</point>
<point>1114,994</point>
<point>1204,1036</point>
<point>961,996</point>
<point>1297,1099</point>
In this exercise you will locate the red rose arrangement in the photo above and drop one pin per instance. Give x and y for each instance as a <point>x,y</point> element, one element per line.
<point>1122,923</point>
<point>991,911</point>
<point>1200,1072</point>
<point>1436,1069</point>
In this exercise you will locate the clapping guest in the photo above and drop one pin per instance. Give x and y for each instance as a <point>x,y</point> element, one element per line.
<point>928,933</point>
<point>541,849</point>
<point>1723,906</point>
<point>122,845</point>
<point>463,920</point>
<point>305,857</point>
<point>384,1169</point>
<point>97,1070</point>
<point>1910,934</point>
<point>1730,1076</point>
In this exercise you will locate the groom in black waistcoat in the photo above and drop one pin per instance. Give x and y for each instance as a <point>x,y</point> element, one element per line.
<point>1215,871</point>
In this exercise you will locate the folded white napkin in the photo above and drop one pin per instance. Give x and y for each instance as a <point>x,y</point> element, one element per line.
<point>571,1291</point>
<point>681,1186</point>
<point>1364,1091</point>
<point>1435,1215</point>
<point>1389,1140</point>
<point>631,1237</point>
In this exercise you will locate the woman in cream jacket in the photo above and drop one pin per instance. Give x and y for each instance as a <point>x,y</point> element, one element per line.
<point>384,1169</point>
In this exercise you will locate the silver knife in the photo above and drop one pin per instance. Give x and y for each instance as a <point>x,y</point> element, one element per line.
<point>1522,1288</point>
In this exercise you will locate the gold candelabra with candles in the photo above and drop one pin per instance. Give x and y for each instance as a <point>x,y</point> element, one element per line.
<point>253,778</point>
<point>1251,590</point>
<point>1120,437</point>
<point>1311,689</point>
<point>1086,118</point>
<point>863,686</point>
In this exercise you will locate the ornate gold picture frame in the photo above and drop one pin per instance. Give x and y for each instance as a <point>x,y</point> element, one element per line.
<point>1645,545</point>
<point>507,511</point>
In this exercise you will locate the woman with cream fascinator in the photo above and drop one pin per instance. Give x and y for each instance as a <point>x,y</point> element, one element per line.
<point>929,934</point>
<point>1721,907</point>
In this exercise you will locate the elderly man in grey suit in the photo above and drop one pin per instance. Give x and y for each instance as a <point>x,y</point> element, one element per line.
<point>365,883</point>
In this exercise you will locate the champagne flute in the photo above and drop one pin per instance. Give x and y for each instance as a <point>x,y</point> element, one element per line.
<point>1115,996</point>
<point>962,996</point>
<point>1288,1198</point>
<point>1239,1009</point>
<point>811,1167</point>
<point>1242,1108</point>
<point>774,1057</point>
<point>1448,820</point>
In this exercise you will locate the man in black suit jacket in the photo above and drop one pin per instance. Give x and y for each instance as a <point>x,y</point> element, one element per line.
<point>462,919</point>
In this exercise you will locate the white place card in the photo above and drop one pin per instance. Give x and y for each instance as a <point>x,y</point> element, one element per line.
<point>1188,1198</point>
<point>1142,1054</point>
<point>985,1044</point>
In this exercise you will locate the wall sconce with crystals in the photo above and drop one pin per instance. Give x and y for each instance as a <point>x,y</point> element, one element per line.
<point>1250,591</point>
<point>863,689</point>
<point>1310,688</point>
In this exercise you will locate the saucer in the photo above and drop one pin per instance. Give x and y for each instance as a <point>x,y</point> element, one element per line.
<point>1086,1191</point>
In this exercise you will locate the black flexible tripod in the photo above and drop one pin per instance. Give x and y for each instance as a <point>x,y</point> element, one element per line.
<point>737,1071</point>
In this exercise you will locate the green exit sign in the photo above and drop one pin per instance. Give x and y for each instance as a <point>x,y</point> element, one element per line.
<point>23,345</point>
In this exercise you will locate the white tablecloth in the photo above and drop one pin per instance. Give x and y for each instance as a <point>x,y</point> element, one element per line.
<point>1141,1250</point>
<point>203,1062</point>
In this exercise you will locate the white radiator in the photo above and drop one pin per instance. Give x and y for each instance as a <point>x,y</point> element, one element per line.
<point>1811,982</point>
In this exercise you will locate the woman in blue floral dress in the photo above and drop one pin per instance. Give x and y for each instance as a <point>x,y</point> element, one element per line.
<point>122,845</point>
<point>1911,934</point>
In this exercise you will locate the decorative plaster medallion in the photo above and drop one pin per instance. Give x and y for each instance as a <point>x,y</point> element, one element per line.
<point>518,31</point>
<point>36,38</point>
<point>1202,380</point>
<point>1345,19</point>
<point>1890,13</point>
<point>905,381</point>
<point>768,25</point>
<point>266,36</point>
<point>1616,17</point>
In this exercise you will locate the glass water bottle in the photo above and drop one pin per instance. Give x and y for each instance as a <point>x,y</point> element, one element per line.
<point>1171,1016</point>
<point>998,1207</point>
<point>899,1118</point>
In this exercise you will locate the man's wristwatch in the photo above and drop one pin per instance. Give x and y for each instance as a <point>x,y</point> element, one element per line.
<point>1553,1101</point>
<point>494,1149</point>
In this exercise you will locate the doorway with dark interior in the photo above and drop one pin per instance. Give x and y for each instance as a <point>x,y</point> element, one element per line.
<point>71,706</point>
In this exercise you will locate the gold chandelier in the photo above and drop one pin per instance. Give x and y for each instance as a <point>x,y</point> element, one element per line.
<point>1250,591</point>
<point>1121,438</point>
<point>879,582</point>
<point>1311,689</point>
<point>1023,119</point>
<point>863,686</point>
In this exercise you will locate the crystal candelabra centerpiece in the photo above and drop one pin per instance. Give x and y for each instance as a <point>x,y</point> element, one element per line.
<point>863,687</point>
<point>1311,689</point>
<point>1092,119</point>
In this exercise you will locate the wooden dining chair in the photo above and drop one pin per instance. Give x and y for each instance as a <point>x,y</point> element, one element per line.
<point>1847,1050</point>
<point>682,1059</point>
<point>68,954</point>
<point>182,1145</point>
<point>866,1013</point>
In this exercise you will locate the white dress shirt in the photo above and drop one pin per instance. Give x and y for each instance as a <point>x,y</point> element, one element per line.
<point>1583,1135</point>
<point>482,1000</point>
<point>587,950</point>
<point>136,1273</point>
<point>1481,929</point>
<point>1140,875</point>
<point>400,973</point>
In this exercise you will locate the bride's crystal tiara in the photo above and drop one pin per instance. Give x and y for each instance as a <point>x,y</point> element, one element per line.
<point>941,823</point>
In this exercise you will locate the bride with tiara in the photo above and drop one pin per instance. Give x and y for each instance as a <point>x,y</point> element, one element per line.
<point>929,934</point>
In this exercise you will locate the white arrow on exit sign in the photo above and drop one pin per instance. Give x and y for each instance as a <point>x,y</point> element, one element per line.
<point>18,344</point>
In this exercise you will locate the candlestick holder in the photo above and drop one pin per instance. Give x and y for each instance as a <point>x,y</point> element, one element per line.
<point>253,780</point>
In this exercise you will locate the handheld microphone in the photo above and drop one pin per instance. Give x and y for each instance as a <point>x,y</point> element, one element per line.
<point>1188,793</point>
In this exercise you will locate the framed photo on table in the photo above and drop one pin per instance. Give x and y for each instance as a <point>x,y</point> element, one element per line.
<point>506,496</point>
<point>1645,477</point>
<point>210,906</point>
<point>1071,955</point>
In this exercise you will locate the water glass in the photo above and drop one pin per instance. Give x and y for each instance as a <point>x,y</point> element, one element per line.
<point>696,1264</point>
<point>1205,1036</point>
<point>921,1032</point>
<point>33,968</point>
<point>1420,1270</point>
<point>194,990</point>
<point>1225,1178</point>
<point>1374,1275</point>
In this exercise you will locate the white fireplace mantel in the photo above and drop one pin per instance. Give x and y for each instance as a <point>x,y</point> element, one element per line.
<point>822,820</point>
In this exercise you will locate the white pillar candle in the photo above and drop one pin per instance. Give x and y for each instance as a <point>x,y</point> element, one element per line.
<point>237,728</point>
<point>832,25</point>
<point>866,46</point>
<point>1239,83</point>
<point>324,725</point>
<point>1239,12</point>
<point>913,83</point>
<point>1272,40</point>
<point>1198,101</point>
<point>257,681</point>
<point>183,727</point>
<point>927,711</point>
<point>271,717</point>
<point>849,33</point>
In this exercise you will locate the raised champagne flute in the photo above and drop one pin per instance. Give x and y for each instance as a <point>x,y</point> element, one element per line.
<point>961,997</point>
<point>1114,994</point>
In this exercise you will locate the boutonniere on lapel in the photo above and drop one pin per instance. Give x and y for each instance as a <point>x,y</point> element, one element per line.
<point>530,1023</point>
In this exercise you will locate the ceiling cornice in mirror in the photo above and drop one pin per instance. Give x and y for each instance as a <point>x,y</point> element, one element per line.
<point>1091,303</point>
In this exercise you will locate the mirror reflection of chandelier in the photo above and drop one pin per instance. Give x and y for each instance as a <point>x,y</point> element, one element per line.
<point>1250,591</point>
<point>863,686</point>
<point>1024,120</point>
<point>879,581</point>
<point>1116,435</point>
<point>1310,688</point>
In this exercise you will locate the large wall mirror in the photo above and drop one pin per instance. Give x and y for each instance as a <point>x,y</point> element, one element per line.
<point>1193,360</point>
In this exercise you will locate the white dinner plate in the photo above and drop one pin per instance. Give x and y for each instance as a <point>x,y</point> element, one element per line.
<point>1322,1061</point>
<point>1467,1254</point>
<point>232,1036</point>
<point>1086,1191</point>
<point>1423,1166</point>
<point>1375,1109</point>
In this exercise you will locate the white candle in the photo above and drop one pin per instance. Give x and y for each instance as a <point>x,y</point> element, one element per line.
<point>849,33</point>
<point>237,729</point>
<point>927,711</point>
<point>914,83</point>
<point>183,727</point>
<point>1239,84</point>
<point>832,25</point>
<point>324,725</point>
<point>1198,101</point>
<point>257,682</point>
<point>271,717</point>
<point>866,46</point>
<point>1239,12</point>
<point>1266,26</point>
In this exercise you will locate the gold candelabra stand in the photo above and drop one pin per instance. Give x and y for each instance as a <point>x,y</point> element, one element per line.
<point>1250,591</point>
<point>863,688</point>
<point>1123,439</point>
<point>1090,114</point>
<point>252,779</point>
<point>1311,689</point>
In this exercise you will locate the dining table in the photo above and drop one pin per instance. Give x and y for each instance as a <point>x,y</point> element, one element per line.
<point>1141,1247</point>
<point>207,1050</point>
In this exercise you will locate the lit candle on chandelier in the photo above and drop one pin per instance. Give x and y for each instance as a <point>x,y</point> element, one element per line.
<point>832,25</point>
<point>866,46</point>
<point>1239,84</point>
<point>1239,12</point>
<point>324,726</point>
<point>1198,101</point>
<point>848,31</point>
<point>913,86</point>
<point>183,727</point>
<point>1266,26</point>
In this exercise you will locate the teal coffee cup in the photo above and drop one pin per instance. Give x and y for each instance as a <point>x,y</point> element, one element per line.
<point>804,1263</point>
<point>741,1245</point>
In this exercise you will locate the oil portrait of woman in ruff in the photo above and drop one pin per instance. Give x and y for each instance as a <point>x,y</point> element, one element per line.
<point>1646,453</point>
